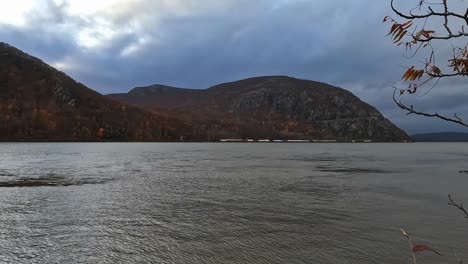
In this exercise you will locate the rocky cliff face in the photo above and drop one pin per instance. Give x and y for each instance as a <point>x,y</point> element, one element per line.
<point>38,102</point>
<point>271,107</point>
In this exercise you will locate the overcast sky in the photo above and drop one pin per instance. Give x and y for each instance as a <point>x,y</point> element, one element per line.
<point>114,45</point>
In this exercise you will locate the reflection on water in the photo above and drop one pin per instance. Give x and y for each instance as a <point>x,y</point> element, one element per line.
<point>48,180</point>
<point>348,170</point>
<point>229,203</point>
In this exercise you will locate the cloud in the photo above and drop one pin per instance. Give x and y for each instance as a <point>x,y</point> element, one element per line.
<point>114,45</point>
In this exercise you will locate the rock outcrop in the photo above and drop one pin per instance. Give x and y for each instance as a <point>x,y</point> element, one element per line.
<point>270,107</point>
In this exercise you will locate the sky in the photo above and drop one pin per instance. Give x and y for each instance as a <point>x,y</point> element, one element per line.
<point>114,45</point>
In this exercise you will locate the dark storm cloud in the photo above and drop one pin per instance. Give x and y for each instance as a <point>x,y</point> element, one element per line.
<point>202,43</point>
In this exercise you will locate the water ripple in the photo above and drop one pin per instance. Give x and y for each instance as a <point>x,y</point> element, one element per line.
<point>50,180</point>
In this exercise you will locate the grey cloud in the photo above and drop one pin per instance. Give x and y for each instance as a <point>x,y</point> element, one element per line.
<point>210,42</point>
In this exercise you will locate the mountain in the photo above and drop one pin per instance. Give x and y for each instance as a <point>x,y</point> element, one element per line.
<point>273,107</point>
<point>38,102</point>
<point>441,137</point>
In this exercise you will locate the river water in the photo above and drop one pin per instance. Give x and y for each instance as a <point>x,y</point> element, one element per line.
<point>230,203</point>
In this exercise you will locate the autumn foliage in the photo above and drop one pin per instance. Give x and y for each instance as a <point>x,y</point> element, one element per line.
<point>100,132</point>
<point>38,102</point>
<point>425,31</point>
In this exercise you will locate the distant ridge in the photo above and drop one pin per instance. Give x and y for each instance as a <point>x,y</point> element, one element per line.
<point>441,137</point>
<point>269,107</point>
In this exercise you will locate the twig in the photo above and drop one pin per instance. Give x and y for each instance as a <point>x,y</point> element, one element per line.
<point>403,232</point>
<point>459,206</point>
<point>429,14</point>
<point>411,110</point>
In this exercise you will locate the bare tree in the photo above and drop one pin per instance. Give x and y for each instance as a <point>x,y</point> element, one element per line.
<point>418,30</point>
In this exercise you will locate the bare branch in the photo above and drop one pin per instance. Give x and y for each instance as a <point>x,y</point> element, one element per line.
<point>459,206</point>
<point>429,14</point>
<point>411,110</point>
<point>403,232</point>
<point>444,75</point>
<point>447,37</point>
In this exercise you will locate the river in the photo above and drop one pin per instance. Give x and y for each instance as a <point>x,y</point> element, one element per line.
<point>230,202</point>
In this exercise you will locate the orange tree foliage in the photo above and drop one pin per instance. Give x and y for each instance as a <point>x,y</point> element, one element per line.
<point>101,132</point>
<point>40,103</point>
<point>419,30</point>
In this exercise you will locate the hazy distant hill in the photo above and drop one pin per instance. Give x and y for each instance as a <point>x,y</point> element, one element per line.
<point>441,137</point>
<point>270,107</point>
<point>38,102</point>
